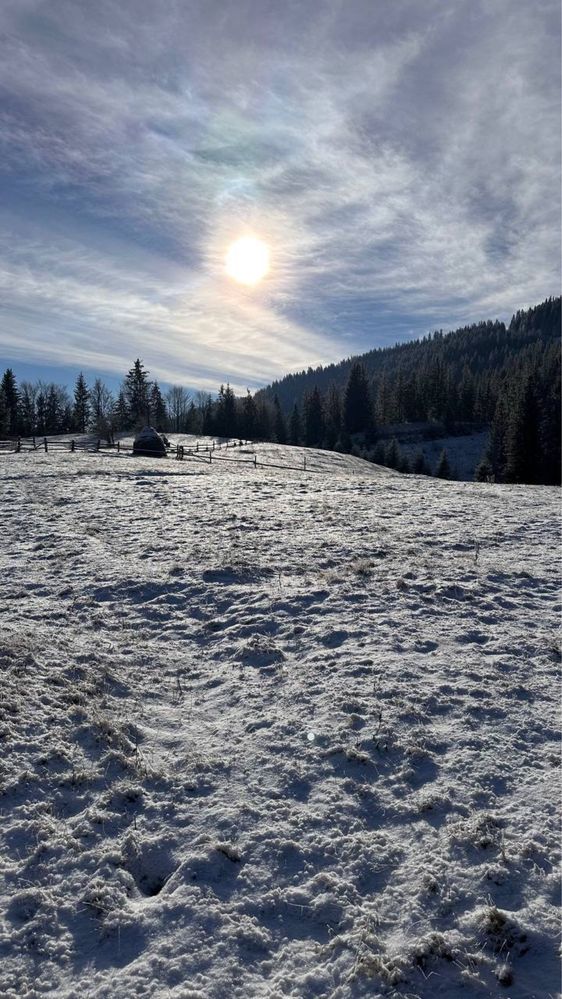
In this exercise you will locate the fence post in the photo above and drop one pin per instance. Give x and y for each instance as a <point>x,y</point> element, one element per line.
<point>99,444</point>
<point>197,446</point>
<point>45,443</point>
<point>72,445</point>
<point>255,460</point>
<point>18,446</point>
<point>118,446</point>
<point>304,461</point>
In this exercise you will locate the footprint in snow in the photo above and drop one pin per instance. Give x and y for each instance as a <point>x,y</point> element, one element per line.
<point>472,638</point>
<point>425,647</point>
<point>333,639</point>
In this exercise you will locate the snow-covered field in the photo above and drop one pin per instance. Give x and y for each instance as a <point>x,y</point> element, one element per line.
<point>275,734</point>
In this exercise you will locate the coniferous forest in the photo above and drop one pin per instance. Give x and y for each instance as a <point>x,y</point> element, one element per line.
<point>488,376</point>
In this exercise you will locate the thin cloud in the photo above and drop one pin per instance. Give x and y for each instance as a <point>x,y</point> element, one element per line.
<point>403,166</point>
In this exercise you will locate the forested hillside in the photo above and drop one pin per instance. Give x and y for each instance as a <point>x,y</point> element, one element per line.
<point>444,376</point>
<point>484,375</point>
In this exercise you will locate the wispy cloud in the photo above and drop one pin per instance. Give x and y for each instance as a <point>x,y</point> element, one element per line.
<point>402,163</point>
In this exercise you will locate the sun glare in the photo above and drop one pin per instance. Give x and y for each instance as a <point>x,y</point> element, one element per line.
<point>247,260</point>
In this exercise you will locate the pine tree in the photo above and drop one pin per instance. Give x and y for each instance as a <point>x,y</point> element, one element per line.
<point>279,425</point>
<point>443,470</point>
<point>11,401</point>
<point>313,419</point>
<point>136,389</point>
<point>295,426</point>
<point>81,409</point>
<point>357,410</point>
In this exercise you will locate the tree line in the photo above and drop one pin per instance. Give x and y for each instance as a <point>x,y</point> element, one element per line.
<point>40,408</point>
<point>491,376</point>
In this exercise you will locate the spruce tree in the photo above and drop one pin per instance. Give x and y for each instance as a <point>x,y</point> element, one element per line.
<point>522,438</point>
<point>279,425</point>
<point>333,417</point>
<point>313,419</point>
<point>41,408</point>
<point>158,411</point>
<point>225,419</point>
<point>497,444</point>
<point>392,454</point>
<point>207,416</point>
<point>357,409</point>
<point>28,411</point>
<point>420,465</point>
<point>249,417</point>
<point>121,416</point>
<point>192,420</point>
<point>295,426</point>
<point>4,416</point>
<point>81,409</point>
<point>484,471</point>
<point>11,401</point>
<point>443,470</point>
<point>136,389</point>
<point>263,422</point>
<point>54,410</point>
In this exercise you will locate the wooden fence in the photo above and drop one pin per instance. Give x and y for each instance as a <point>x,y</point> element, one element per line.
<point>205,452</point>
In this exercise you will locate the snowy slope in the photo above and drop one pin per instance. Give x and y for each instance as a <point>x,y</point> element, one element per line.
<point>270,733</point>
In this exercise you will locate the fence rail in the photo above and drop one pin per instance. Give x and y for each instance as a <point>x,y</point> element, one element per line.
<point>200,451</point>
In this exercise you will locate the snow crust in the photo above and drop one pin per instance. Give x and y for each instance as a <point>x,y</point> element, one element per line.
<point>269,733</point>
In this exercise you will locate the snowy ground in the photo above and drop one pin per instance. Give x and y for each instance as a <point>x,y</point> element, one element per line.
<point>275,734</point>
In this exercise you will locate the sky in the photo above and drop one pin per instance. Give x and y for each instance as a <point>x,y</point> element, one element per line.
<point>400,159</point>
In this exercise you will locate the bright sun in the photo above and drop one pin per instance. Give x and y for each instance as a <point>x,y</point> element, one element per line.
<point>247,260</point>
